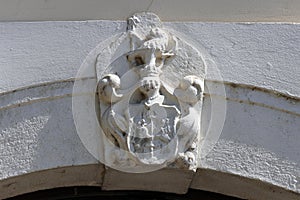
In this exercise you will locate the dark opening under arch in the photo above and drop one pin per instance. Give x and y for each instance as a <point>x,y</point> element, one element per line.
<point>95,193</point>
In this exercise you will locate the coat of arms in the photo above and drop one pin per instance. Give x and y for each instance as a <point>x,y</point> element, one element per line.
<point>151,97</point>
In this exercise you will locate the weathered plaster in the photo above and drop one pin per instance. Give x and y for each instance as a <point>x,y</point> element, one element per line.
<point>254,162</point>
<point>52,178</point>
<point>258,62</point>
<point>41,135</point>
<point>169,10</point>
<point>264,55</point>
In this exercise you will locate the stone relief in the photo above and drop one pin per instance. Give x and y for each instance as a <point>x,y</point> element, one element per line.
<point>151,98</point>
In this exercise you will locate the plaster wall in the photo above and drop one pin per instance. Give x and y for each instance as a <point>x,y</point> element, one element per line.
<point>168,10</point>
<point>258,61</point>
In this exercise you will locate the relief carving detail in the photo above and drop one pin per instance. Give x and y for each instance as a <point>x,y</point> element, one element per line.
<point>151,98</point>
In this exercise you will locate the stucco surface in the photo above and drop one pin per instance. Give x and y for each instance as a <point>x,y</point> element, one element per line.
<point>266,55</point>
<point>169,10</point>
<point>260,139</point>
<point>38,132</point>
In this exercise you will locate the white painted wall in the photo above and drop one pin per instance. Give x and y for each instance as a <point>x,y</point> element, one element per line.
<point>265,55</point>
<point>260,138</point>
<point>168,10</point>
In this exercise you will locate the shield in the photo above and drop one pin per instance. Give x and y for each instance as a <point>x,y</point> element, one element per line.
<point>152,133</point>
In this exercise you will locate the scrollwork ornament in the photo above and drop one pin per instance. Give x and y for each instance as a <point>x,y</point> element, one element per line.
<point>151,97</point>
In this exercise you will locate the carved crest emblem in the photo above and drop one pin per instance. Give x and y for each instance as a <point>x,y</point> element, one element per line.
<point>151,97</point>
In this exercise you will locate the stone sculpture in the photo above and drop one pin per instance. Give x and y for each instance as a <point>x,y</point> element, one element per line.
<point>150,119</point>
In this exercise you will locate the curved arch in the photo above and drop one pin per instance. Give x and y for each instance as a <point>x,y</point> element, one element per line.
<point>42,151</point>
<point>91,176</point>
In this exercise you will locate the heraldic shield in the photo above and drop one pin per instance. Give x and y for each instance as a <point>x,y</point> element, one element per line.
<point>150,97</point>
<point>152,132</point>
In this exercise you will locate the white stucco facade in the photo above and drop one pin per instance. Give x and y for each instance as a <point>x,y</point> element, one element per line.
<point>168,10</point>
<point>256,157</point>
